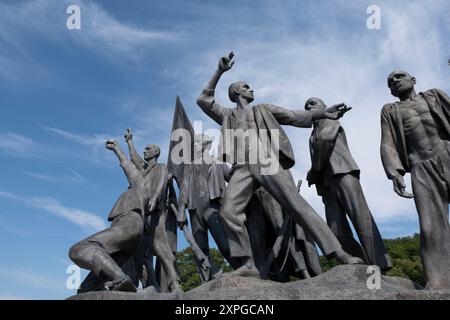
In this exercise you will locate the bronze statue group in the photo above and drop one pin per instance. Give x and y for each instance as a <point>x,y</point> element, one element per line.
<point>261,224</point>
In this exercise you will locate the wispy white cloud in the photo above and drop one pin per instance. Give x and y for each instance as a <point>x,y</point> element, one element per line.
<point>101,33</point>
<point>154,124</point>
<point>76,177</point>
<point>95,144</point>
<point>72,176</point>
<point>40,176</point>
<point>87,220</point>
<point>17,144</point>
<point>30,279</point>
<point>89,141</point>
<point>106,35</point>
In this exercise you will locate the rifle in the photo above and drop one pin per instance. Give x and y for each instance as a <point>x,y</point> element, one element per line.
<point>202,259</point>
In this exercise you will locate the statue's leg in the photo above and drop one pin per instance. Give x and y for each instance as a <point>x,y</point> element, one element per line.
<point>352,198</point>
<point>143,261</point>
<point>257,228</point>
<point>200,233</point>
<point>89,254</point>
<point>216,228</point>
<point>298,257</point>
<point>150,274</point>
<point>232,213</point>
<point>431,197</point>
<point>337,220</point>
<point>95,252</point>
<point>163,251</point>
<point>310,252</point>
<point>282,187</point>
<point>93,282</point>
<point>199,230</point>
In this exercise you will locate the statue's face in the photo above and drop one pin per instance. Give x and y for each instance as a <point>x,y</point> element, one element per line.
<point>198,146</point>
<point>151,151</point>
<point>400,82</point>
<point>246,92</point>
<point>314,104</point>
<point>202,143</point>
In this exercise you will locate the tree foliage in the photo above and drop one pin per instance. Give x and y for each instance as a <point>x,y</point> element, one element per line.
<point>187,268</point>
<point>405,255</point>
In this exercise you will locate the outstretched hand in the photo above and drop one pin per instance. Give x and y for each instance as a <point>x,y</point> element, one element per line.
<point>337,111</point>
<point>128,136</point>
<point>111,144</point>
<point>400,187</point>
<point>225,63</point>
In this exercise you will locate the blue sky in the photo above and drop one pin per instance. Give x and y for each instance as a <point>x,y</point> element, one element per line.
<point>64,92</point>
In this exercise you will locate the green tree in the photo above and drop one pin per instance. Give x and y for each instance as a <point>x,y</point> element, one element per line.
<point>405,255</point>
<point>187,269</point>
<point>327,264</point>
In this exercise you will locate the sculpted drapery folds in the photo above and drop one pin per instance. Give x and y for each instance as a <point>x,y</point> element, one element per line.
<point>415,138</point>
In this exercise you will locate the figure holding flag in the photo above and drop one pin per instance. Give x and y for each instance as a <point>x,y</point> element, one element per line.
<point>201,181</point>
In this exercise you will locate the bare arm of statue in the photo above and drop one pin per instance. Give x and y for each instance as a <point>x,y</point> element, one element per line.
<point>207,101</point>
<point>134,155</point>
<point>128,167</point>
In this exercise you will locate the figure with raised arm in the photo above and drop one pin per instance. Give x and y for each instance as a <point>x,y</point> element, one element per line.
<point>105,252</point>
<point>156,240</point>
<point>260,125</point>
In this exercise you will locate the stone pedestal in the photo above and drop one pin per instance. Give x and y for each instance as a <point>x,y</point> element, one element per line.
<point>345,282</point>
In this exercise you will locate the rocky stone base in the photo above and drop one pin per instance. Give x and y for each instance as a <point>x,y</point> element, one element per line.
<point>345,282</point>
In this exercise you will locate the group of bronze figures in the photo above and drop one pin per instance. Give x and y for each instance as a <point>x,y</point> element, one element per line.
<point>261,224</point>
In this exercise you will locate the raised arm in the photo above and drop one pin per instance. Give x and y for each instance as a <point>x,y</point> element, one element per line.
<point>128,167</point>
<point>207,101</point>
<point>305,118</point>
<point>134,155</point>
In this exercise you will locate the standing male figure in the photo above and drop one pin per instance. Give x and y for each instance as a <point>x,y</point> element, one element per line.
<point>336,176</point>
<point>201,193</point>
<point>155,224</point>
<point>415,136</point>
<point>246,176</point>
